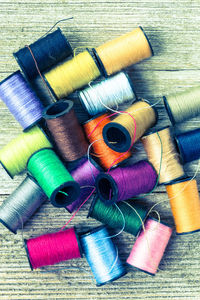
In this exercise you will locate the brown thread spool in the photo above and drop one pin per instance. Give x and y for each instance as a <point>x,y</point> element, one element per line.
<point>65,130</point>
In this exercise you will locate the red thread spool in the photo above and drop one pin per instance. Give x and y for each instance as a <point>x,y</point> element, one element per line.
<point>52,248</point>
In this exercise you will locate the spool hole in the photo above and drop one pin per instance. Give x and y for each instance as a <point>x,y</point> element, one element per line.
<point>105,188</point>
<point>57,108</point>
<point>64,195</point>
<point>116,137</point>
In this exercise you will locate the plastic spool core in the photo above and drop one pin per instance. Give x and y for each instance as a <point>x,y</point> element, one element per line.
<point>116,137</point>
<point>58,109</point>
<point>107,188</point>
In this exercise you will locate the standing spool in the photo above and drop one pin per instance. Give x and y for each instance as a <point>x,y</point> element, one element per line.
<point>14,156</point>
<point>122,132</point>
<point>53,248</point>
<point>126,215</point>
<point>73,74</point>
<point>109,93</point>
<point>57,183</point>
<point>123,51</point>
<point>21,100</point>
<point>188,144</point>
<point>102,256</point>
<point>183,106</point>
<point>47,51</point>
<point>66,130</point>
<point>185,205</point>
<point>161,152</point>
<point>150,246</point>
<point>21,204</point>
<point>123,183</point>
<point>94,132</point>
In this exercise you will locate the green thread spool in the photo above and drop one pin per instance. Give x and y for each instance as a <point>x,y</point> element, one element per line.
<point>53,177</point>
<point>126,214</point>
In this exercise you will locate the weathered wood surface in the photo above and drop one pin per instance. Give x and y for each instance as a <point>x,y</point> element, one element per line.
<point>173,28</point>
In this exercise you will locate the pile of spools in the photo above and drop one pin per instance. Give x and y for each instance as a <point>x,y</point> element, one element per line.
<point>71,163</point>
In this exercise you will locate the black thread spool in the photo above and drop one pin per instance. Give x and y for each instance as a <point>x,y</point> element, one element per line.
<point>47,51</point>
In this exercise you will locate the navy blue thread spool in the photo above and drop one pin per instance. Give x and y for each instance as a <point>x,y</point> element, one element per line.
<point>47,52</point>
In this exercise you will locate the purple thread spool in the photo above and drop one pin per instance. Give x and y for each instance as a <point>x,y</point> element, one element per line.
<point>123,183</point>
<point>85,174</point>
<point>21,101</point>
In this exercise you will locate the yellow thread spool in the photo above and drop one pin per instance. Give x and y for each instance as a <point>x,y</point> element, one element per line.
<point>14,155</point>
<point>171,167</point>
<point>119,133</point>
<point>185,205</point>
<point>73,74</point>
<point>124,51</point>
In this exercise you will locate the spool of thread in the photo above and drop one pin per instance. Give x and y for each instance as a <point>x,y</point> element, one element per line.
<point>185,205</point>
<point>47,52</point>
<point>188,144</point>
<point>21,204</point>
<point>85,174</point>
<point>161,152</point>
<point>126,214</point>
<point>21,101</point>
<point>94,132</point>
<point>102,256</point>
<point>123,51</point>
<point>14,156</point>
<point>42,91</point>
<point>150,246</point>
<point>73,74</point>
<point>123,183</point>
<point>107,94</point>
<point>53,248</point>
<point>183,106</point>
<point>66,130</point>
<point>53,177</point>
<point>125,130</point>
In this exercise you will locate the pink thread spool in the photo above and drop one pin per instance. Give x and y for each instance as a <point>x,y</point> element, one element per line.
<point>149,247</point>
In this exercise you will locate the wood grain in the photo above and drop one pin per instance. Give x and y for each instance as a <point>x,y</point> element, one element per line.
<point>173,28</point>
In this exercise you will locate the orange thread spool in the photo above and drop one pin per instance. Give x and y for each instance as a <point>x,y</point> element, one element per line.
<point>105,154</point>
<point>185,205</point>
<point>124,51</point>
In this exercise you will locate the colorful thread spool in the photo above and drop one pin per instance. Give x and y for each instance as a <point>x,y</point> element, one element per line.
<point>21,101</point>
<point>102,255</point>
<point>123,51</point>
<point>14,156</point>
<point>66,130</point>
<point>53,177</point>
<point>47,51</point>
<point>85,174</point>
<point>150,246</point>
<point>109,93</point>
<point>42,91</point>
<point>21,204</point>
<point>125,130</point>
<point>94,132</point>
<point>53,248</point>
<point>183,106</point>
<point>123,183</point>
<point>73,74</point>
<point>185,205</point>
<point>188,144</point>
<point>162,153</point>
<point>126,215</point>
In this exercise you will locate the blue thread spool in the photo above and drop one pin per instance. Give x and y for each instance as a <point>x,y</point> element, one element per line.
<point>188,144</point>
<point>102,256</point>
<point>47,51</point>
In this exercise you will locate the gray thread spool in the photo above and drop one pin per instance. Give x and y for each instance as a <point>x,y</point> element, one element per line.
<point>21,204</point>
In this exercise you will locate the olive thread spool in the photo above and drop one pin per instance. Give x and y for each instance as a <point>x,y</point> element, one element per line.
<point>102,255</point>
<point>125,129</point>
<point>14,156</point>
<point>21,100</point>
<point>53,177</point>
<point>185,205</point>
<point>162,153</point>
<point>65,130</point>
<point>123,51</point>
<point>126,215</point>
<point>21,204</point>
<point>48,51</point>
